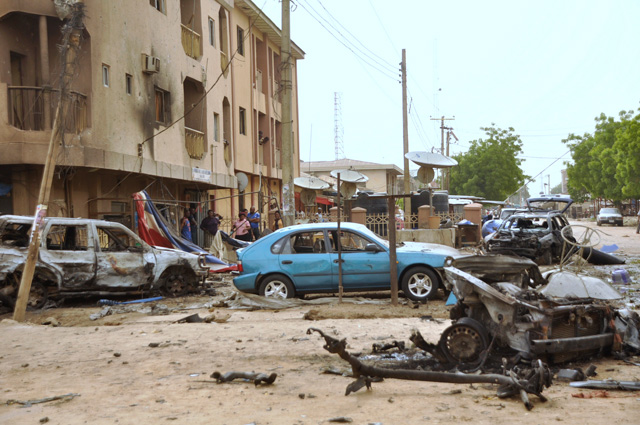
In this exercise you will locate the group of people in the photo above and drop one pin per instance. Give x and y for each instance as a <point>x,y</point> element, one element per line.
<point>209,225</point>
<point>246,227</point>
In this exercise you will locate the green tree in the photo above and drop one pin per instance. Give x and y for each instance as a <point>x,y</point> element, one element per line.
<point>491,167</point>
<point>606,164</point>
<point>556,189</point>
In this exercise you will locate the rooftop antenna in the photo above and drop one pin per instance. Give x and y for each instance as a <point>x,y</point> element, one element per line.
<point>338,129</point>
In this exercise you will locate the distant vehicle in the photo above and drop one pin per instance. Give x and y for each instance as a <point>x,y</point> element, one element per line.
<point>303,259</point>
<point>80,257</point>
<point>533,233</point>
<point>609,216</point>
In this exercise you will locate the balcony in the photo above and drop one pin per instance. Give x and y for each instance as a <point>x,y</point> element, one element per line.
<point>34,108</point>
<point>194,142</point>
<point>190,42</point>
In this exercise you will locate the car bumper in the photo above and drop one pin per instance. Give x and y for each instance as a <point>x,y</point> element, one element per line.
<point>611,220</point>
<point>246,283</point>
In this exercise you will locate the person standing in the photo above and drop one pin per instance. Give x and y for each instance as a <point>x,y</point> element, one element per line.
<point>193,221</point>
<point>638,226</point>
<point>242,227</point>
<point>277,221</point>
<point>210,226</point>
<point>254,219</point>
<point>185,225</point>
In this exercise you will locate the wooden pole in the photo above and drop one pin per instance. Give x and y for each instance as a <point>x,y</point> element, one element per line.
<point>72,32</point>
<point>405,140</point>
<point>393,260</point>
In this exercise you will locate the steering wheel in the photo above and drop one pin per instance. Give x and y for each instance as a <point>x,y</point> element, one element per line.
<point>589,239</point>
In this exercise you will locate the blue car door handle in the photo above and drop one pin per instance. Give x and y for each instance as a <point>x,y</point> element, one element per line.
<point>287,262</point>
<point>338,261</point>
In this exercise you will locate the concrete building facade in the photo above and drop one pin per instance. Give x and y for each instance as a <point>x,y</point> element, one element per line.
<point>382,177</point>
<point>173,96</point>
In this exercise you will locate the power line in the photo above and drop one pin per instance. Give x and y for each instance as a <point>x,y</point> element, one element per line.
<point>380,60</point>
<point>346,43</point>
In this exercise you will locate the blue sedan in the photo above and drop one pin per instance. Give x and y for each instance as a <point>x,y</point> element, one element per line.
<point>303,259</point>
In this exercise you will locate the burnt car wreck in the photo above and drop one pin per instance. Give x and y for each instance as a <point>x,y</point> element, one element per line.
<point>84,257</point>
<point>510,321</point>
<point>505,303</point>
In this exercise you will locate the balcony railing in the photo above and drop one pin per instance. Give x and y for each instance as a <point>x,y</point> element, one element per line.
<point>190,42</point>
<point>194,142</point>
<point>28,109</point>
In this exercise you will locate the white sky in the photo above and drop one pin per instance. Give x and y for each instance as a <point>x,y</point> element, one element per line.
<point>545,68</point>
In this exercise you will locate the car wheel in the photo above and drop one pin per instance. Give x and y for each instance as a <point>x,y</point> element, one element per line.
<point>598,223</point>
<point>419,284</point>
<point>175,283</point>
<point>277,286</point>
<point>464,341</point>
<point>38,294</point>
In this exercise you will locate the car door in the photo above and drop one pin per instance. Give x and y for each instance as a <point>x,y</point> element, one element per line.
<point>360,268</point>
<point>305,258</point>
<point>123,261</point>
<point>69,248</point>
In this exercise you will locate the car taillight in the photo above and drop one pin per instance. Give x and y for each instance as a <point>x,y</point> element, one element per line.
<point>240,266</point>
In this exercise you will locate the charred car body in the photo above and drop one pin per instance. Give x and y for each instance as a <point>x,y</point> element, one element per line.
<point>534,233</point>
<point>91,257</point>
<point>567,316</point>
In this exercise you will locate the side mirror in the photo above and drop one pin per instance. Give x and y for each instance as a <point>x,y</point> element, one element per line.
<point>371,247</point>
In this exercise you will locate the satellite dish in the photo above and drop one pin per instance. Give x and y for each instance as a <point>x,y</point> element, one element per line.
<point>431,159</point>
<point>425,174</point>
<point>351,176</point>
<point>347,189</point>
<point>243,181</point>
<point>311,183</point>
<point>308,197</point>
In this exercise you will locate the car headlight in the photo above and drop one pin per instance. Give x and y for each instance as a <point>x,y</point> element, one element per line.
<point>448,262</point>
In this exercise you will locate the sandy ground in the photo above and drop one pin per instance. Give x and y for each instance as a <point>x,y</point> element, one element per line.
<point>135,368</point>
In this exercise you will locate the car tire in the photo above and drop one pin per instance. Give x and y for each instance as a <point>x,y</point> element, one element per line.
<point>598,223</point>
<point>277,286</point>
<point>420,284</point>
<point>176,282</point>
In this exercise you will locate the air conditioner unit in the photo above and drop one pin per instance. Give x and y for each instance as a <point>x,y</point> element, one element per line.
<point>150,64</point>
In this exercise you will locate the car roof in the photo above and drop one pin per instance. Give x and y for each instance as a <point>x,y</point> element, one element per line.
<point>326,225</point>
<point>29,219</point>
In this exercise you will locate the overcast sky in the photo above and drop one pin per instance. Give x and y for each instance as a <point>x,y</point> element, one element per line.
<point>545,68</point>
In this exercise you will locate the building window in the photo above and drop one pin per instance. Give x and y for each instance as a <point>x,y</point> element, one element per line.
<point>240,41</point>
<point>158,5</point>
<point>105,75</point>
<point>212,32</point>
<point>128,81</point>
<point>243,121</point>
<point>216,127</point>
<point>163,106</point>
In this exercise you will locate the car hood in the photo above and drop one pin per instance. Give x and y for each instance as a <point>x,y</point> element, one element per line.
<point>177,252</point>
<point>432,248</point>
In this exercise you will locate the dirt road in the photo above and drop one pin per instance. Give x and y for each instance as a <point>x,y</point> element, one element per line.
<point>135,368</point>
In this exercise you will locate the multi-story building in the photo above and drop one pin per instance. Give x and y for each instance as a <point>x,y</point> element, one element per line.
<point>173,96</point>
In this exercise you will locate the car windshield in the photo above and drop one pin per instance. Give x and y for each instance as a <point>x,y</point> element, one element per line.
<point>369,234</point>
<point>526,224</point>
<point>609,211</point>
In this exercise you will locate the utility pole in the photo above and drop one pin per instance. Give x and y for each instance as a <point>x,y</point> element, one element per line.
<point>442,150</point>
<point>405,140</point>
<point>288,190</point>
<point>71,35</point>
